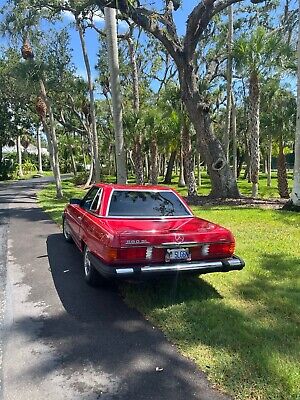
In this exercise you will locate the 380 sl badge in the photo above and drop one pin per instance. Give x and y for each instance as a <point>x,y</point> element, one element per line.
<point>137,241</point>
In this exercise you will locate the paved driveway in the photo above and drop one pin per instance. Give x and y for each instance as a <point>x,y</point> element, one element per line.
<point>59,338</point>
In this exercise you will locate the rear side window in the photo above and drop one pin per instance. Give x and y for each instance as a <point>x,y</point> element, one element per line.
<point>91,200</point>
<point>146,204</point>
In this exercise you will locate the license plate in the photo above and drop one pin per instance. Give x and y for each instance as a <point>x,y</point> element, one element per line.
<point>178,254</point>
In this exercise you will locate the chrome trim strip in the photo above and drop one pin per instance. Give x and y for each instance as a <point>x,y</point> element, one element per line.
<point>181,267</point>
<point>176,244</point>
<point>124,271</point>
<point>144,190</point>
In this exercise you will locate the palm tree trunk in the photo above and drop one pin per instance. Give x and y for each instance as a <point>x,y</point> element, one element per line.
<point>295,197</point>
<point>52,142</point>
<point>234,140</point>
<point>96,159</point>
<point>199,170</point>
<point>181,181</point>
<point>111,36</point>
<point>91,171</point>
<point>188,160</point>
<point>137,147</point>
<point>154,169</point>
<point>269,162</point>
<point>19,151</point>
<point>168,176</point>
<point>254,106</point>
<point>281,172</point>
<point>39,147</point>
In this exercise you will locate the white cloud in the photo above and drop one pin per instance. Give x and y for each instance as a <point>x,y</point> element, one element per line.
<point>68,15</point>
<point>97,18</point>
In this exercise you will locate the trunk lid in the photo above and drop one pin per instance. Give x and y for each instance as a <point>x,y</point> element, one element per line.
<point>178,232</point>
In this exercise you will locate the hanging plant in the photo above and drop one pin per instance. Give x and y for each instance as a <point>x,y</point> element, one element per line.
<point>41,107</point>
<point>26,50</point>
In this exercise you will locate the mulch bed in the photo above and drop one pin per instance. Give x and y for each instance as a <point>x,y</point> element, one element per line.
<point>246,202</point>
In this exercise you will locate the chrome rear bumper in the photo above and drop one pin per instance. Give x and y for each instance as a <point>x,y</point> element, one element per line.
<point>197,267</point>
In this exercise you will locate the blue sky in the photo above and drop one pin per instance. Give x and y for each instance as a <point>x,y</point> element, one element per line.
<point>91,37</point>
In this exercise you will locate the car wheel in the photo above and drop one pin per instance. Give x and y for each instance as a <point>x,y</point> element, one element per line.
<point>66,232</point>
<point>91,275</point>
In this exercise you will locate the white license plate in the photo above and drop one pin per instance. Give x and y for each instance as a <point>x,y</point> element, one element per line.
<point>178,254</point>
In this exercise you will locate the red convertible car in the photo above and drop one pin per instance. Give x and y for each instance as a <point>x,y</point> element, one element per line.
<point>141,231</point>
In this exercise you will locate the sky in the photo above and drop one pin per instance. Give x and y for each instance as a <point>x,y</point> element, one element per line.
<point>91,36</point>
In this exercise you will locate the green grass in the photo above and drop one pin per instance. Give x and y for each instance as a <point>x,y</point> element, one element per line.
<point>54,207</point>
<point>244,186</point>
<point>241,328</point>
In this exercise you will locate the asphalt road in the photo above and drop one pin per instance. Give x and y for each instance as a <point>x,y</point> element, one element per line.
<point>62,340</point>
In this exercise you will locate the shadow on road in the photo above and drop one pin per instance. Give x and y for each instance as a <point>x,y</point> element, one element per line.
<point>100,330</point>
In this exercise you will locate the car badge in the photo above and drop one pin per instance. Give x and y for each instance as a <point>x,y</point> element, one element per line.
<point>179,238</point>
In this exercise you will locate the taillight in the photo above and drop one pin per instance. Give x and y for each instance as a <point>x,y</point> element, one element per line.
<point>109,254</point>
<point>221,249</point>
<point>132,253</point>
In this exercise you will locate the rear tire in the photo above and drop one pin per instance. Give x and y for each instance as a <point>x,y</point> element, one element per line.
<point>66,232</point>
<point>91,275</point>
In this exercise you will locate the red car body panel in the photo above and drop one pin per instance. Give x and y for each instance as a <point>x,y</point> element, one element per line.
<point>144,241</point>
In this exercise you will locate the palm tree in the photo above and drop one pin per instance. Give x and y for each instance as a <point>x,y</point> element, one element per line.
<point>295,197</point>
<point>112,45</point>
<point>256,55</point>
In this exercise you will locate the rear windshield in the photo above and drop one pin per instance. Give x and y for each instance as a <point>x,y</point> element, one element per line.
<point>146,204</point>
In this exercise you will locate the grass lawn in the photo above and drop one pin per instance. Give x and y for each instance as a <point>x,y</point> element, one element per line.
<point>241,328</point>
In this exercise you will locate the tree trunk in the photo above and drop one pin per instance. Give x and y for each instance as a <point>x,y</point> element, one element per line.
<point>137,146</point>
<point>52,142</point>
<point>181,181</point>
<point>96,159</point>
<point>168,176</point>
<point>295,197</point>
<point>254,105</point>
<point>188,160</point>
<point>229,82</point>
<point>198,170</point>
<point>91,171</point>
<point>138,161</point>
<point>147,167</point>
<point>73,163</point>
<point>19,151</point>
<point>283,188</point>
<point>234,140</point>
<point>39,147</point>
<point>222,180</point>
<point>111,36</point>
<point>153,170</point>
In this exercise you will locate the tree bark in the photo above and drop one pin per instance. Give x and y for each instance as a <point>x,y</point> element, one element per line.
<point>111,36</point>
<point>181,181</point>
<point>254,106</point>
<point>269,162</point>
<point>222,180</point>
<point>295,197</point>
<point>96,159</point>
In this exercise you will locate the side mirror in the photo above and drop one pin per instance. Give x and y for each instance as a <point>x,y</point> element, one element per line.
<point>75,201</point>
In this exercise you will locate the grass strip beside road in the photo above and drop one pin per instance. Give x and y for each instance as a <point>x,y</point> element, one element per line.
<point>241,328</point>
